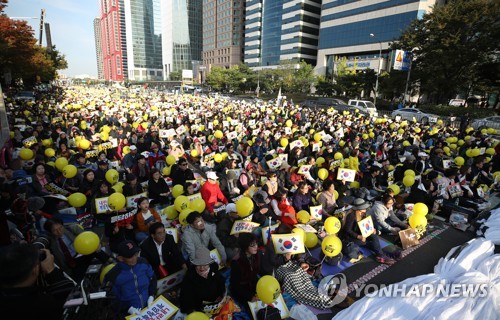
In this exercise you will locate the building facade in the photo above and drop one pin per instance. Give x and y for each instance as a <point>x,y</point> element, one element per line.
<point>279,30</point>
<point>359,30</point>
<point>98,48</point>
<point>223,22</point>
<point>111,41</point>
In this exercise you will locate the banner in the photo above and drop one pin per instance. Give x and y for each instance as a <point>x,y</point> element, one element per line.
<point>51,187</point>
<point>101,205</point>
<point>28,142</point>
<point>408,238</point>
<point>124,216</point>
<point>161,309</point>
<point>288,243</point>
<point>242,226</point>
<point>402,60</point>
<point>170,281</point>
<point>132,200</point>
<point>215,255</point>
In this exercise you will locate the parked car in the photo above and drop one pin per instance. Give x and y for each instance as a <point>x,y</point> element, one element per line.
<point>364,106</point>
<point>25,95</point>
<point>484,123</point>
<point>410,113</point>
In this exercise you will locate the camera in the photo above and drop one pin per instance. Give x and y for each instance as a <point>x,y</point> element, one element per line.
<point>41,243</point>
<point>42,256</point>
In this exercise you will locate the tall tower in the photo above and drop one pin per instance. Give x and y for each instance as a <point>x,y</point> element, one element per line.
<point>279,30</point>
<point>223,24</point>
<point>111,41</point>
<point>98,48</point>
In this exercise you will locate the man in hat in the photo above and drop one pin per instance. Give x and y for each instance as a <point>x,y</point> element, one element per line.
<point>224,226</point>
<point>211,193</point>
<point>130,159</point>
<point>203,284</point>
<point>132,280</point>
<point>181,173</point>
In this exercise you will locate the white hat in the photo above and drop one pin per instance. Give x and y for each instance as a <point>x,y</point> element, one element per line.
<point>212,175</point>
<point>423,154</point>
<point>230,207</point>
<point>133,147</point>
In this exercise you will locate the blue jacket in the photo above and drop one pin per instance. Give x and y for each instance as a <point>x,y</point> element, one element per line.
<point>132,285</point>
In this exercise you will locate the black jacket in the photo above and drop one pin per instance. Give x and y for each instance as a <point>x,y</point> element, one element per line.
<point>180,176</point>
<point>171,255</point>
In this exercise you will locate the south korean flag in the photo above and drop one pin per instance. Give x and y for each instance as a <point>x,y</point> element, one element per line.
<point>288,243</point>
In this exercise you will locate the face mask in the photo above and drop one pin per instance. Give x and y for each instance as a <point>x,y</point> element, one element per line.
<point>204,274</point>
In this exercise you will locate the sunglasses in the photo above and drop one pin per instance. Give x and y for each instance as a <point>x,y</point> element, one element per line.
<point>183,164</point>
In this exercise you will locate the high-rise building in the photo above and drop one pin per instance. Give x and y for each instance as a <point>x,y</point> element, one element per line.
<point>111,41</point>
<point>144,39</point>
<point>279,30</point>
<point>98,48</point>
<point>182,41</point>
<point>223,22</point>
<point>360,30</point>
<point>123,38</point>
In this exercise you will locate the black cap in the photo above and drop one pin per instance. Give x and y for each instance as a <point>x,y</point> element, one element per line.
<point>131,177</point>
<point>127,249</point>
<point>102,163</point>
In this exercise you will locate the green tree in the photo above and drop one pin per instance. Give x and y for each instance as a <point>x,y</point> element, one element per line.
<point>324,87</point>
<point>216,78</point>
<point>175,76</point>
<point>451,47</point>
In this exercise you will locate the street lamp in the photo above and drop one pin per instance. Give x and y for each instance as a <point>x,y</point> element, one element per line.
<point>378,72</point>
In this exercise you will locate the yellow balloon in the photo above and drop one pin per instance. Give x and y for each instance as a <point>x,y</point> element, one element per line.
<point>183,216</point>
<point>289,123</point>
<point>49,152</point>
<point>218,134</point>
<point>410,172</point>
<point>86,243</point>
<point>84,144</point>
<point>322,173</point>
<point>105,271</point>
<point>303,216</point>
<point>170,212</point>
<point>218,157</point>
<point>395,188</point>
<point>166,170</point>
<point>77,199</point>
<point>338,156</point>
<point>408,180</point>
<point>320,161</point>
<point>69,171</point>
<point>104,136</point>
<point>332,225</point>
<point>459,161</point>
<point>299,231</point>
<point>317,137</point>
<point>336,194</point>
<point>177,190</point>
<point>197,316</point>
<point>420,209</point>
<point>310,240</point>
<point>112,176</point>
<point>181,203</point>
<point>417,221</point>
<point>126,150</point>
<point>244,207</point>
<point>198,205</point>
<point>26,154</point>
<point>61,163</point>
<point>194,153</point>
<point>116,201</point>
<point>284,142</point>
<point>331,246</point>
<point>170,160</point>
<point>268,289</point>
<point>47,142</point>
<point>118,187</point>
<point>355,185</point>
<point>106,129</point>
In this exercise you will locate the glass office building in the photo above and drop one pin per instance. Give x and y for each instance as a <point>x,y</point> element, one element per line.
<point>144,39</point>
<point>359,29</point>
<point>279,30</point>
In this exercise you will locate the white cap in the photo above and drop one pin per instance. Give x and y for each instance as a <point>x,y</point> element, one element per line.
<point>133,147</point>
<point>212,175</point>
<point>230,207</point>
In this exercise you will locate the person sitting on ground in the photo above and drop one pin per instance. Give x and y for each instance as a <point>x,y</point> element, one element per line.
<point>23,294</point>
<point>384,219</point>
<point>203,283</point>
<point>351,233</point>
<point>271,260</point>
<point>200,234</point>
<point>212,194</point>
<point>302,198</point>
<point>158,190</point>
<point>144,218</point>
<point>283,209</point>
<point>224,227</point>
<point>181,173</point>
<point>132,281</point>
<point>327,198</point>
<point>161,251</point>
<point>245,270</point>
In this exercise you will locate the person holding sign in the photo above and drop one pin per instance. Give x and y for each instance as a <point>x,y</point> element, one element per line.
<point>203,283</point>
<point>211,193</point>
<point>161,251</point>
<point>381,212</point>
<point>145,218</point>
<point>224,226</point>
<point>245,270</point>
<point>132,281</point>
<point>351,233</point>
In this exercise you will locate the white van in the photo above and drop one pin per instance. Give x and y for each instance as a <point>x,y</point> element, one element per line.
<point>364,106</point>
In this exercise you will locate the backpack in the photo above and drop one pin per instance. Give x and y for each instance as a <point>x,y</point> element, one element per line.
<point>269,313</point>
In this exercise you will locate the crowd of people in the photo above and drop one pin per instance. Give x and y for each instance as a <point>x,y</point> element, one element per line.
<point>154,148</point>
